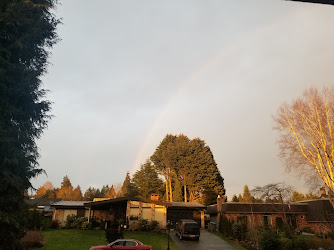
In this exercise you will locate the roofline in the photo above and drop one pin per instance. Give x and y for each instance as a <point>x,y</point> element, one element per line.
<point>120,199</point>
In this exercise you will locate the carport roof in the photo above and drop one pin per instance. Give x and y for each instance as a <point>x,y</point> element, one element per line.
<point>69,204</point>
<point>186,205</point>
<point>123,199</point>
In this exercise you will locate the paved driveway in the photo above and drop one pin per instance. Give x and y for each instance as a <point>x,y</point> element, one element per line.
<point>207,241</point>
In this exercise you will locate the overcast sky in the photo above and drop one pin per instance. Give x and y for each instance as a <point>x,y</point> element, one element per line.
<point>126,73</point>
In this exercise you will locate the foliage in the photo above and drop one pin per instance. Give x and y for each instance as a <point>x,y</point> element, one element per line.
<point>142,225</point>
<point>296,196</point>
<point>235,198</point>
<point>269,240</point>
<point>147,181</point>
<point>54,224</point>
<point>74,222</point>
<point>36,220</point>
<point>66,191</point>
<point>225,226</point>
<point>236,231</point>
<point>247,197</point>
<point>306,134</point>
<point>286,243</point>
<point>92,193</point>
<point>111,193</point>
<point>317,243</point>
<point>154,225</point>
<point>191,163</point>
<point>129,189</point>
<point>240,199</point>
<point>27,32</point>
<point>70,219</point>
<point>33,239</point>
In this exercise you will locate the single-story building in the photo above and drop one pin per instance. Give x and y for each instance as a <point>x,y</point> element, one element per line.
<point>315,214</point>
<point>64,208</point>
<point>128,210</point>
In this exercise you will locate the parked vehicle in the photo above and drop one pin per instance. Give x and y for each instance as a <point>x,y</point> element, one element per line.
<point>188,229</point>
<point>124,244</point>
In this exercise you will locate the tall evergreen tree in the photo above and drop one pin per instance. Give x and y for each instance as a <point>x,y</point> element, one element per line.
<point>247,197</point>
<point>129,189</point>
<point>235,198</point>
<point>193,164</point>
<point>240,198</point>
<point>65,192</point>
<point>27,30</point>
<point>111,193</point>
<point>147,181</point>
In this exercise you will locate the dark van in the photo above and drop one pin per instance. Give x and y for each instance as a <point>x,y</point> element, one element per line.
<point>188,229</point>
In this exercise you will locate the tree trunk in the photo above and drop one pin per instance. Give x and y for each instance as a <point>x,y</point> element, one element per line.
<point>167,186</point>
<point>185,193</point>
<point>170,188</point>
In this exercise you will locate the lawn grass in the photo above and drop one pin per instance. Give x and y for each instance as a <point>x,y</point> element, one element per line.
<point>72,239</point>
<point>231,242</point>
<point>157,241</point>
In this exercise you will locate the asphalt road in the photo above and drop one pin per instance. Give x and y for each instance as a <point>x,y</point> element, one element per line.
<point>207,241</point>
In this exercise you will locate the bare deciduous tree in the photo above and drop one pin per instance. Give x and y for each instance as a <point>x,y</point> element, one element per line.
<point>306,135</point>
<point>277,192</point>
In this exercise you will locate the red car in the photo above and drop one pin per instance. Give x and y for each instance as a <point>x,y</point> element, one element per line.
<point>123,244</point>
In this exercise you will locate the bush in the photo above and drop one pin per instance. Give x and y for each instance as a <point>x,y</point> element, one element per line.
<point>269,240</point>
<point>33,239</point>
<point>154,225</point>
<point>236,231</point>
<point>286,243</point>
<point>316,243</point>
<point>54,224</point>
<point>81,223</point>
<point>286,231</point>
<point>300,243</point>
<point>70,219</point>
<point>225,226</point>
<point>243,231</point>
<point>142,225</point>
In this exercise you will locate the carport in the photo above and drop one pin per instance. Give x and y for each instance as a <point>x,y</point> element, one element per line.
<point>186,210</point>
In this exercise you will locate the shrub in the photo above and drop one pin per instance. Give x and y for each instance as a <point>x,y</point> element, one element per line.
<point>243,231</point>
<point>300,243</point>
<point>225,226</point>
<point>253,234</point>
<point>286,231</point>
<point>236,231</point>
<point>33,239</point>
<point>70,219</point>
<point>286,243</point>
<point>81,223</point>
<point>154,225</point>
<point>142,225</point>
<point>316,243</point>
<point>54,224</point>
<point>269,240</point>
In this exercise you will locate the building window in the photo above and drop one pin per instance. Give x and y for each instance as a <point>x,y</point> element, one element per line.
<point>266,220</point>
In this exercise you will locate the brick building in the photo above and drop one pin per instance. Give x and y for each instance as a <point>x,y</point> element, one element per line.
<point>315,214</point>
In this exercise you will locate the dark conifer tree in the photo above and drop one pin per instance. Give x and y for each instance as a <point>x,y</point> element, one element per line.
<point>27,30</point>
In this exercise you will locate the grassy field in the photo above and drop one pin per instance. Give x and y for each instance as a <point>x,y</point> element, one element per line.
<point>72,239</point>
